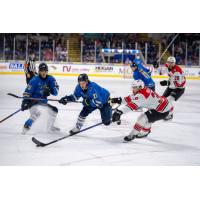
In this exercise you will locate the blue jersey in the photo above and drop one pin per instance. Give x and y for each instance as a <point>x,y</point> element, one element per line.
<point>36,86</point>
<point>144,74</point>
<point>96,95</point>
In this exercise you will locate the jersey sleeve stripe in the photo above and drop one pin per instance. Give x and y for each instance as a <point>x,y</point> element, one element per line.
<point>127,99</point>
<point>132,106</point>
<point>146,129</point>
<point>178,84</point>
<point>162,105</point>
<point>137,127</point>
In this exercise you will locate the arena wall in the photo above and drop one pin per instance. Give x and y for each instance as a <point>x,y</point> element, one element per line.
<point>95,69</point>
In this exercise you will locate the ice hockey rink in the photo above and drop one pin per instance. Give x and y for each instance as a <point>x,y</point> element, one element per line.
<point>170,143</point>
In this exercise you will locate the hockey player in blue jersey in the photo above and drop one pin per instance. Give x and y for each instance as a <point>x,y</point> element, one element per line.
<point>94,97</point>
<point>142,73</point>
<point>40,86</point>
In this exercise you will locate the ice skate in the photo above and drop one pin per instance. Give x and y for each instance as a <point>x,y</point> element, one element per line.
<point>54,129</point>
<point>26,128</point>
<point>169,117</point>
<point>129,138</point>
<point>74,130</point>
<point>142,135</point>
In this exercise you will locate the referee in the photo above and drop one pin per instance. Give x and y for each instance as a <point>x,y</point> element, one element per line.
<point>29,68</point>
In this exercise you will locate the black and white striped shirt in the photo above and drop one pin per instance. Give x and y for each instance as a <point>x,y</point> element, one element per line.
<point>29,66</point>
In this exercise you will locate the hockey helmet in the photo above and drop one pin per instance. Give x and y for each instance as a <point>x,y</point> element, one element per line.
<point>137,83</point>
<point>83,77</point>
<point>171,59</point>
<point>43,67</point>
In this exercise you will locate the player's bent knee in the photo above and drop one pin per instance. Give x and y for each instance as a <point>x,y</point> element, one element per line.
<point>35,115</point>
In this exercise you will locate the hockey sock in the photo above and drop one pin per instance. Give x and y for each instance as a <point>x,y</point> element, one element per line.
<point>51,120</point>
<point>80,122</point>
<point>28,123</point>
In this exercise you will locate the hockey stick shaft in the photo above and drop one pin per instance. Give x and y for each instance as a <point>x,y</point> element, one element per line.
<point>36,99</point>
<point>54,141</point>
<point>10,115</point>
<point>167,47</point>
<point>41,144</point>
<point>29,98</point>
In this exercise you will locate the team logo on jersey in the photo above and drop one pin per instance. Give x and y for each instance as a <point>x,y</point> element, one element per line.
<point>136,98</point>
<point>95,95</point>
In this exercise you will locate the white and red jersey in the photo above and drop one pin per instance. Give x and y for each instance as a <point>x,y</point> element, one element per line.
<point>176,77</point>
<point>146,98</point>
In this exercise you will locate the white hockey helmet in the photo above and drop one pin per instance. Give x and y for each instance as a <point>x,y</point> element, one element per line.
<point>137,57</point>
<point>171,59</point>
<point>137,83</point>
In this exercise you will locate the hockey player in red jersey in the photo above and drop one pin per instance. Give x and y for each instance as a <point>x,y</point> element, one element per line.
<point>142,97</point>
<point>176,82</point>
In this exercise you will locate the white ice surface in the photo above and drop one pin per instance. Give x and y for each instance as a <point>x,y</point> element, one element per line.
<point>170,143</point>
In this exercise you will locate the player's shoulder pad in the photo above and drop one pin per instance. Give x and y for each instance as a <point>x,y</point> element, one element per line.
<point>145,92</point>
<point>51,78</point>
<point>78,88</point>
<point>35,79</point>
<point>140,66</point>
<point>178,69</point>
<point>93,85</point>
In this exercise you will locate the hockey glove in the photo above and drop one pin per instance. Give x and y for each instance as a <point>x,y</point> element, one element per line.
<point>164,83</point>
<point>86,102</point>
<point>46,91</point>
<point>116,115</point>
<point>155,64</point>
<point>117,100</point>
<point>26,104</point>
<point>63,100</point>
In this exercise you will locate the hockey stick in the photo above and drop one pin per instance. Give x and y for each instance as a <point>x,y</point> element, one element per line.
<point>10,115</point>
<point>41,144</point>
<point>37,99</point>
<point>158,60</point>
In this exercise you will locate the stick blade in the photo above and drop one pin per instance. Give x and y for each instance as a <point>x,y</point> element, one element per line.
<point>13,95</point>
<point>38,143</point>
